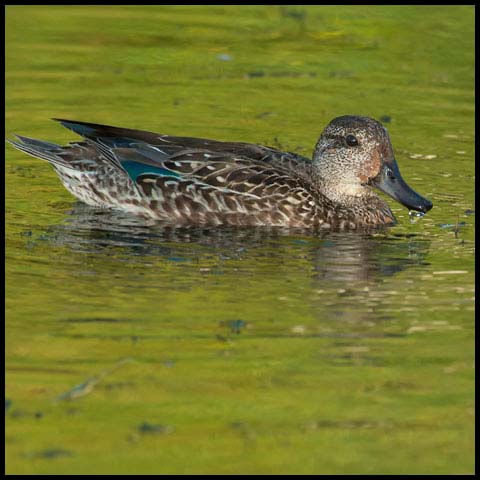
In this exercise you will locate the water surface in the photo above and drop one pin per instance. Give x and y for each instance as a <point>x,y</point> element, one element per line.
<point>145,349</point>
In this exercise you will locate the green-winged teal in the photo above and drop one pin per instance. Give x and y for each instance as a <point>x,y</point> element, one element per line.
<point>195,181</point>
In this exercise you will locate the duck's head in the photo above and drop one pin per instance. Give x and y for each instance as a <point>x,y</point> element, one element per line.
<point>354,154</point>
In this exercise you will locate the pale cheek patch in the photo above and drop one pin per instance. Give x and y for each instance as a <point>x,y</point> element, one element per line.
<point>371,168</point>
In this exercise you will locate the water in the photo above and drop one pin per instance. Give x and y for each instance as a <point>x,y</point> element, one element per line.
<point>233,350</point>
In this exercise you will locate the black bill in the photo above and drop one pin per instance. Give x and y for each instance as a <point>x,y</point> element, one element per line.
<point>391,182</point>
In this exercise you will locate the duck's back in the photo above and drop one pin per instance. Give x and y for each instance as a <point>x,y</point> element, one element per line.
<point>111,137</point>
<point>182,179</point>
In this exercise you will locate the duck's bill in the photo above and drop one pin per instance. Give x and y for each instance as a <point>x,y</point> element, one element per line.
<point>391,182</point>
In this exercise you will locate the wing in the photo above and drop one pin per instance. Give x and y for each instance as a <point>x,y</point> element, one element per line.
<point>107,137</point>
<point>198,187</point>
<point>223,171</point>
<point>205,181</point>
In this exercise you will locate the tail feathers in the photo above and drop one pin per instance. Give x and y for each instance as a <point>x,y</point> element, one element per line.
<point>113,137</point>
<point>38,143</point>
<point>39,149</point>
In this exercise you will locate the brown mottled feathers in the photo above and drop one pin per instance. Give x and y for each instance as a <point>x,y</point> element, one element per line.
<point>191,181</point>
<point>220,188</point>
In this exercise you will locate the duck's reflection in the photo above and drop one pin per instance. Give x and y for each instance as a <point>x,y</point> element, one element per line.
<point>352,257</point>
<point>332,257</point>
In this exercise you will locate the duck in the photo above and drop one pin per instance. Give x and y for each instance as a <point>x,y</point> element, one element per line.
<point>196,181</point>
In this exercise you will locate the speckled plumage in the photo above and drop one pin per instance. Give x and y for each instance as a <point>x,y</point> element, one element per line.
<point>184,181</point>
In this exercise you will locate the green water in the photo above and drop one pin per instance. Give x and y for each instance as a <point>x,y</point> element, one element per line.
<point>145,350</point>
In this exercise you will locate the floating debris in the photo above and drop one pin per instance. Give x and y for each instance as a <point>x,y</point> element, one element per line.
<point>224,57</point>
<point>55,453</point>
<point>264,114</point>
<point>450,272</point>
<point>256,73</point>
<point>92,320</point>
<point>297,14</point>
<point>152,428</point>
<point>80,390</point>
<point>222,338</point>
<point>342,74</point>
<point>178,259</point>
<point>356,349</point>
<point>433,327</point>
<point>8,404</point>
<point>235,325</point>
<point>50,453</point>
<point>421,155</point>
<point>86,387</point>
<point>451,225</point>
<point>298,329</point>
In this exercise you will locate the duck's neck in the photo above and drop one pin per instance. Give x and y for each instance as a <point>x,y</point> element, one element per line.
<point>358,203</point>
<point>346,197</point>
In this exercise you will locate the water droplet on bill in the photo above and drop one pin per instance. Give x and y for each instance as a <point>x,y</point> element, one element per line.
<point>414,216</point>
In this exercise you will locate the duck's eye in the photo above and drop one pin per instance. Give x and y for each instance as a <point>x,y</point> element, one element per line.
<point>351,140</point>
